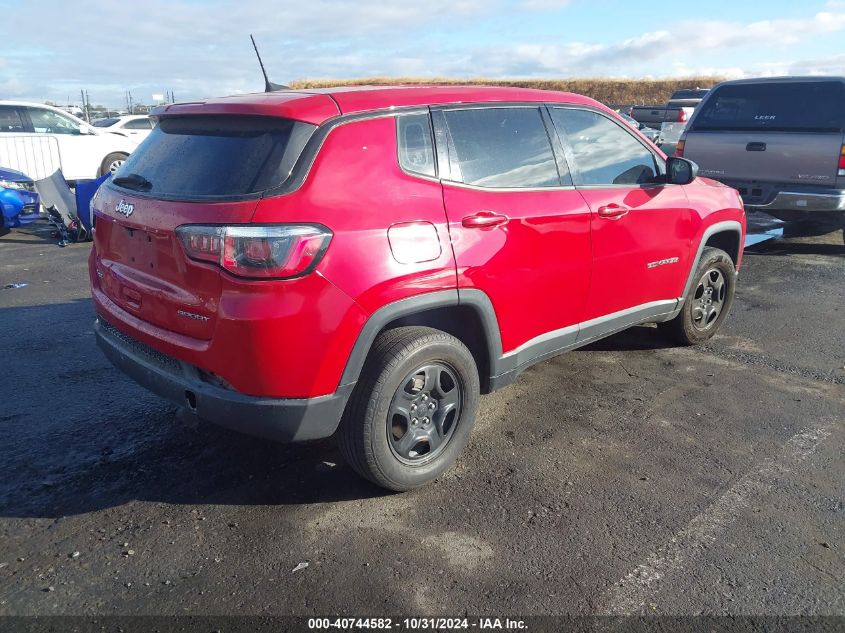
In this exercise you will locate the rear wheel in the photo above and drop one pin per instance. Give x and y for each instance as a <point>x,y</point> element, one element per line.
<point>413,409</point>
<point>112,163</point>
<point>708,301</point>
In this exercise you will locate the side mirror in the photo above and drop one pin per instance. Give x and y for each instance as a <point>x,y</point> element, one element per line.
<point>680,171</point>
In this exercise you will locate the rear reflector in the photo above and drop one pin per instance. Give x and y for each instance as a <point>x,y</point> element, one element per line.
<point>279,251</point>
<point>679,148</point>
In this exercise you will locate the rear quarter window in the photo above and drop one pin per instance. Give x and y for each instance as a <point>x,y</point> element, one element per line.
<point>778,107</point>
<point>414,141</point>
<point>10,120</point>
<point>199,157</point>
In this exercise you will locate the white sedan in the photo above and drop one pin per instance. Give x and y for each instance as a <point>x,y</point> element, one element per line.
<point>136,127</point>
<point>38,139</point>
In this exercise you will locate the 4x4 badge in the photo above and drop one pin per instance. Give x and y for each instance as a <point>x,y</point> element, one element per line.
<point>126,208</point>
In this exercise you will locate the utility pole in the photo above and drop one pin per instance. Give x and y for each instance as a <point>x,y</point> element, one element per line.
<point>84,108</point>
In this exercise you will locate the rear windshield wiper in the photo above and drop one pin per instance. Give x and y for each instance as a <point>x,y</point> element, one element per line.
<point>133,181</point>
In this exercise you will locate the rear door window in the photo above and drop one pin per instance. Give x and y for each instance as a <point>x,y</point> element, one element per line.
<point>501,147</point>
<point>817,106</point>
<point>199,157</point>
<point>605,153</point>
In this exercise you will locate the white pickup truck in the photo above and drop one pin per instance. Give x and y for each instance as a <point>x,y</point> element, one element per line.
<point>37,140</point>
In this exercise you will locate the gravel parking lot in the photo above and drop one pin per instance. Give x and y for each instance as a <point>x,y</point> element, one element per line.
<point>628,477</point>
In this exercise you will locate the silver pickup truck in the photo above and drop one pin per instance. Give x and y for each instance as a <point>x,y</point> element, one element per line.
<point>678,109</point>
<point>778,141</point>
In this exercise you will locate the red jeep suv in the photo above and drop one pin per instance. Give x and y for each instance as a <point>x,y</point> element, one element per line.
<point>366,261</point>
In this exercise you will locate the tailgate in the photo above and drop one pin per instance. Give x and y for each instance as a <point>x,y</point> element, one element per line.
<point>652,117</point>
<point>780,157</point>
<point>142,267</point>
<point>192,169</point>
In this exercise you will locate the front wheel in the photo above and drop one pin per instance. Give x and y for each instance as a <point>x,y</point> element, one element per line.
<point>708,301</point>
<point>413,408</point>
<point>112,163</point>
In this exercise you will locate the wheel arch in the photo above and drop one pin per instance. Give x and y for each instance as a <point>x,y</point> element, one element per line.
<point>466,314</point>
<point>728,241</point>
<point>102,165</point>
<point>719,235</point>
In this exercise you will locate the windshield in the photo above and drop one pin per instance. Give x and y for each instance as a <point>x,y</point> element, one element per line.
<point>197,157</point>
<point>785,107</point>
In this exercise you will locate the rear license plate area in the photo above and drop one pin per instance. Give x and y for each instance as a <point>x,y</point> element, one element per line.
<point>140,249</point>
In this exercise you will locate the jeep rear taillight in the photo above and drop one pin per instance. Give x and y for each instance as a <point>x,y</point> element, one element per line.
<point>841,162</point>
<point>279,251</point>
<point>679,148</point>
<point>682,116</point>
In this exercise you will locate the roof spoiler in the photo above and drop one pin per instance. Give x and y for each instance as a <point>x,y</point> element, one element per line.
<point>269,86</point>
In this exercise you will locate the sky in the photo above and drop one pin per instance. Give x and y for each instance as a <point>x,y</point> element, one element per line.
<point>50,49</point>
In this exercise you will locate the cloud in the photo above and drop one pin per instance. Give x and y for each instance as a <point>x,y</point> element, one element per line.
<point>544,5</point>
<point>687,39</point>
<point>200,48</point>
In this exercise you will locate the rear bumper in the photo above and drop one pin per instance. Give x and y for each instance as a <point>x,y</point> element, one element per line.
<point>284,420</point>
<point>832,201</point>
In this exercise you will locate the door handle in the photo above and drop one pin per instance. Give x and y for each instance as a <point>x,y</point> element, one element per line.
<point>613,211</point>
<point>484,220</point>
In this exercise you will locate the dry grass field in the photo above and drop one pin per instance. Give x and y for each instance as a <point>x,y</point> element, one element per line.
<point>608,91</point>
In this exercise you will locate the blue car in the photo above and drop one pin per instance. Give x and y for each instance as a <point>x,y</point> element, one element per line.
<point>18,199</point>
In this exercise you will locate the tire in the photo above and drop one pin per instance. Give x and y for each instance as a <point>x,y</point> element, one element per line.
<point>112,162</point>
<point>410,368</point>
<point>697,322</point>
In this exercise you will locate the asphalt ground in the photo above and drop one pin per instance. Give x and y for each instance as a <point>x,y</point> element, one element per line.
<point>629,477</point>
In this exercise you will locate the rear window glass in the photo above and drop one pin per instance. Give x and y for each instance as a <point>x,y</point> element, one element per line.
<point>784,107</point>
<point>679,95</point>
<point>138,124</point>
<point>195,157</point>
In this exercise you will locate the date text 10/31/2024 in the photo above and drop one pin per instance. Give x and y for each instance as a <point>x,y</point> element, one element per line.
<point>437,624</point>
